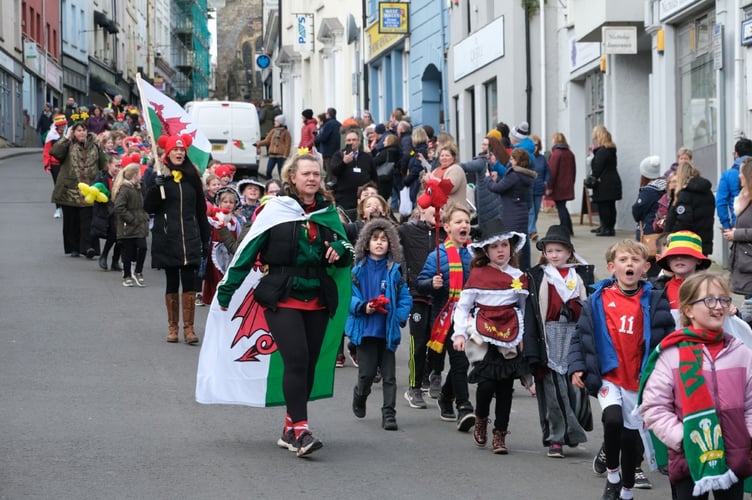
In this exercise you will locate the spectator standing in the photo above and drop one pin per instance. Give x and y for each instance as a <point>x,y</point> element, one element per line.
<point>608,189</point>
<point>278,142</point>
<point>45,121</point>
<point>308,131</point>
<point>327,141</point>
<point>563,170</point>
<point>692,206</point>
<point>540,165</point>
<point>352,167</point>
<point>728,185</point>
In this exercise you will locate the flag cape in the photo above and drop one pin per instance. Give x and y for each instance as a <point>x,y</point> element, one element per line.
<point>239,362</point>
<point>166,117</point>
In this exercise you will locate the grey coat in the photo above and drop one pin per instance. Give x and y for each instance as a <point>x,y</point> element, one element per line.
<point>740,262</point>
<point>516,190</point>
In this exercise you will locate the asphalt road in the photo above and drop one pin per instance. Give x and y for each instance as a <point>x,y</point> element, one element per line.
<point>95,405</point>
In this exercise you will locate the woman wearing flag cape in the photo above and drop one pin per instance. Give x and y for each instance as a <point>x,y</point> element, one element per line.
<point>696,396</point>
<point>304,295</point>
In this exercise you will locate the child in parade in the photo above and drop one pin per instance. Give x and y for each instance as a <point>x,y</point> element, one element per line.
<point>379,307</point>
<point>489,327</point>
<point>251,191</point>
<point>132,223</point>
<point>683,257</point>
<point>103,221</point>
<point>556,294</point>
<point>418,239</point>
<point>695,395</point>
<point>608,353</point>
<point>444,281</point>
<point>223,215</point>
<point>212,184</point>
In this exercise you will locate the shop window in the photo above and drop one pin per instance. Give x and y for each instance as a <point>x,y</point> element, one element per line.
<point>593,101</point>
<point>697,99</point>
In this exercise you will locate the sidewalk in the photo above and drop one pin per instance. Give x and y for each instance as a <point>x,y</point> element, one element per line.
<point>6,153</point>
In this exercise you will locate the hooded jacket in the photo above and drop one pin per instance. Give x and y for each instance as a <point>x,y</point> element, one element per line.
<point>645,208</point>
<point>515,189</point>
<point>728,380</point>
<point>400,301</point>
<point>693,211</point>
<point>78,163</point>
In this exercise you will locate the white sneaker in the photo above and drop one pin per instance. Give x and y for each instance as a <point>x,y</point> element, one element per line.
<point>139,279</point>
<point>58,213</point>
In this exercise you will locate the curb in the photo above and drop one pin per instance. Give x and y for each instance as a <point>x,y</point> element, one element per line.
<point>13,154</point>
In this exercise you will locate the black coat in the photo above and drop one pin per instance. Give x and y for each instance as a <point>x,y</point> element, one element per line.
<point>603,167</point>
<point>694,211</point>
<point>418,241</point>
<point>646,206</point>
<point>385,155</point>
<point>181,232</point>
<point>350,177</point>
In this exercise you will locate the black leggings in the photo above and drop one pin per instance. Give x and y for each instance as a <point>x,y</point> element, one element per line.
<point>184,274</point>
<point>684,491</point>
<point>618,440</point>
<point>134,250</point>
<point>299,335</point>
<point>607,214</point>
<point>485,392</point>
<point>420,332</point>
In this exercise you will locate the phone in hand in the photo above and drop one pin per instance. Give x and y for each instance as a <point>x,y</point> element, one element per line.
<point>348,149</point>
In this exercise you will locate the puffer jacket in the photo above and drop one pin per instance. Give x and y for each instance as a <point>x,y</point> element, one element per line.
<point>418,242</point>
<point>592,351</point>
<point>78,163</point>
<point>132,219</point>
<point>515,189</point>
<point>487,204</point>
<point>693,211</point>
<point>729,380</point>
<point>181,232</point>
<point>400,301</point>
<point>646,207</point>
<point>425,277</point>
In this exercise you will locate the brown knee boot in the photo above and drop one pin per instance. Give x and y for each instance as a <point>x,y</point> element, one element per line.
<point>189,308</point>
<point>173,316</point>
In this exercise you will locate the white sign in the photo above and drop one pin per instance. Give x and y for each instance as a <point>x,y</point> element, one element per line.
<point>31,56</point>
<point>718,47</point>
<point>619,40</point>
<point>54,75</point>
<point>479,49</point>
<point>581,53</point>
<point>670,7</point>
<point>304,32</point>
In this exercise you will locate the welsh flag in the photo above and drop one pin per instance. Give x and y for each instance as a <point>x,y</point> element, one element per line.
<point>239,362</point>
<point>164,116</point>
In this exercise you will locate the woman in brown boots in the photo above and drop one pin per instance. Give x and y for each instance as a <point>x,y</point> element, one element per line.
<point>180,236</point>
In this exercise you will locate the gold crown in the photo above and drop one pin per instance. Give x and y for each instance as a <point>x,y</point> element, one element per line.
<point>709,442</point>
<point>303,151</point>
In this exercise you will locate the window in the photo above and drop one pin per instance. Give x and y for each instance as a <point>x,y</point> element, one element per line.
<point>492,107</point>
<point>593,101</point>
<point>697,100</point>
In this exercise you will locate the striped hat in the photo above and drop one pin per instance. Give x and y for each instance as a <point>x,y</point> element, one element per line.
<point>684,243</point>
<point>60,120</point>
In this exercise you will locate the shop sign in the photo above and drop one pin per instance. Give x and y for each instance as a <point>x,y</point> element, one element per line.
<point>619,40</point>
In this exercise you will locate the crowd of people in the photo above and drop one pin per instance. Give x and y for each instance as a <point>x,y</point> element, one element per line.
<point>460,276</point>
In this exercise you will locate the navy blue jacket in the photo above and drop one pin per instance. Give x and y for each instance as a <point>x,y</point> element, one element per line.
<point>592,350</point>
<point>328,140</point>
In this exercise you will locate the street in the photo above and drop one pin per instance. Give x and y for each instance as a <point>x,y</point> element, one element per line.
<point>95,404</point>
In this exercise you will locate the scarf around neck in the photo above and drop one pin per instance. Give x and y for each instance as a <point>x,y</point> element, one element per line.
<point>443,321</point>
<point>567,288</point>
<point>703,438</point>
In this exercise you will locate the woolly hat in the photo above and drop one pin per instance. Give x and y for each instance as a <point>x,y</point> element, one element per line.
<point>493,231</point>
<point>227,189</point>
<point>223,171</point>
<point>280,119</point>
<point>170,142</point>
<point>350,123</point>
<point>129,159</point>
<point>60,120</point>
<point>684,243</point>
<point>650,167</point>
<point>555,234</point>
<point>244,183</point>
<point>380,129</point>
<point>520,131</point>
<point>494,134</point>
<point>307,114</point>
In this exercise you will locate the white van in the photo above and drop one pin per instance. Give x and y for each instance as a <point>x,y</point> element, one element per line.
<point>232,129</point>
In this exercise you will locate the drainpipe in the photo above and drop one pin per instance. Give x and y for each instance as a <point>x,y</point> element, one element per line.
<point>738,76</point>
<point>528,71</point>
<point>366,100</point>
<point>543,133</point>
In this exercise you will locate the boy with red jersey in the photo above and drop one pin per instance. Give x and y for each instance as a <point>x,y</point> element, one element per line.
<point>621,323</point>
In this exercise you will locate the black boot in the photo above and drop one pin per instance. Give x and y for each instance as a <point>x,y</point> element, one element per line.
<point>597,229</point>
<point>606,232</point>
<point>358,404</point>
<point>388,422</point>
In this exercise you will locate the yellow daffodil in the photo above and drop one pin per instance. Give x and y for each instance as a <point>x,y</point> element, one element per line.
<point>303,151</point>
<point>517,284</point>
<point>177,175</point>
<point>571,284</point>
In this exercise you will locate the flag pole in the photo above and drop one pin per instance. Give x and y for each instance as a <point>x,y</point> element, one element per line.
<point>150,131</point>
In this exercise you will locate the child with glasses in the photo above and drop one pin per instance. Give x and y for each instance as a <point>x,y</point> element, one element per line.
<point>609,350</point>
<point>702,412</point>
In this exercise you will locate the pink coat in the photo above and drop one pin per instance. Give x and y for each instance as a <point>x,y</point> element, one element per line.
<point>729,379</point>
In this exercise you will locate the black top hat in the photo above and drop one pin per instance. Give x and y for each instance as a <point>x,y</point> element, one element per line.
<point>555,234</point>
<point>494,230</point>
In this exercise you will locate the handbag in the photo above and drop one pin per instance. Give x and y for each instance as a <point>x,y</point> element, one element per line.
<point>385,171</point>
<point>650,241</point>
<point>591,181</point>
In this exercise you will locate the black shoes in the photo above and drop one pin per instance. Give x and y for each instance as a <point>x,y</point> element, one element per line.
<point>612,491</point>
<point>597,229</point>
<point>358,404</point>
<point>606,232</point>
<point>388,422</point>
<point>465,420</point>
<point>446,409</point>
<point>307,444</point>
